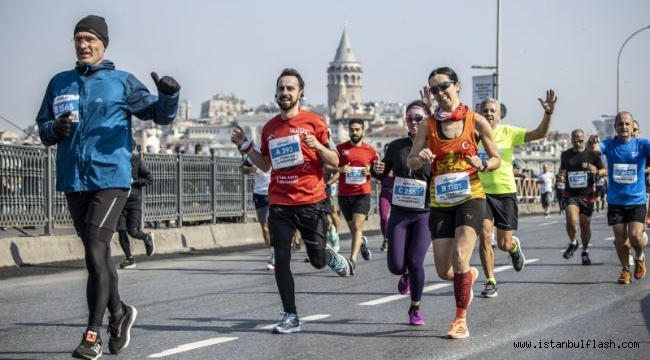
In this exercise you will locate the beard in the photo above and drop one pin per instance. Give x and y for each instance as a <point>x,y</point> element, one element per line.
<point>356,139</point>
<point>281,103</point>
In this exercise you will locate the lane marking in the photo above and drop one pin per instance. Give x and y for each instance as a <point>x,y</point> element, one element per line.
<point>429,288</point>
<point>192,346</point>
<point>303,319</point>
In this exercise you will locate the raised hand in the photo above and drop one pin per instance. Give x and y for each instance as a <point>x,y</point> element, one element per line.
<point>549,103</point>
<point>166,84</point>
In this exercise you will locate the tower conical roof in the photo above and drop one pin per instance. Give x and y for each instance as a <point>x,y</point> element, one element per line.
<point>344,52</point>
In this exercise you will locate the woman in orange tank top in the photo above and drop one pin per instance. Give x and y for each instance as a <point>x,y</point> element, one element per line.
<point>448,140</point>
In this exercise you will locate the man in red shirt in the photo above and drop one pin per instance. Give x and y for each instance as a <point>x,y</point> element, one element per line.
<point>295,146</point>
<point>355,160</point>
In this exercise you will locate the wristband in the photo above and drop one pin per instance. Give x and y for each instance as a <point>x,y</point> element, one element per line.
<point>485,166</point>
<point>249,145</point>
<point>548,113</point>
<point>244,145</point>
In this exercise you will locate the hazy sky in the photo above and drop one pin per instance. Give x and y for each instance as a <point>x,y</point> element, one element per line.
<point>240,47</point>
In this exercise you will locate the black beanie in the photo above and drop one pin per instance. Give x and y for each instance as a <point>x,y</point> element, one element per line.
<point>94,24</point>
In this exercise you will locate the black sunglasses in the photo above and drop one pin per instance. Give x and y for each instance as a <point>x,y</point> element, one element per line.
<point>417,118</point>
<point>440,87</point>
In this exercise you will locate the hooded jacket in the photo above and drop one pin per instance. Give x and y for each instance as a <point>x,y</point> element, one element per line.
<point>102,100</point>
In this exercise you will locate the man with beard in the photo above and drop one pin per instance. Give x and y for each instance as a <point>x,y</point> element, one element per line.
<point>578,169</point>
<point>501,190</point>
<point>356,157</point>
<point>295,145</point>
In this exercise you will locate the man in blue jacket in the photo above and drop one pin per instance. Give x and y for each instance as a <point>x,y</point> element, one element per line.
<point>86,112</point>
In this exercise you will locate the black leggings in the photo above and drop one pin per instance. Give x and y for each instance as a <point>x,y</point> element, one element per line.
<point>311,220</point>
<point>95,215</point>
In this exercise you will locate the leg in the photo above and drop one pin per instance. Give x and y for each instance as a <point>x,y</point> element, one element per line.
<point>485,249</point>
<point>281,228</point>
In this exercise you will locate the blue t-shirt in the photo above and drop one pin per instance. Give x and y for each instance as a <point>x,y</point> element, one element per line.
<point>626,163</point>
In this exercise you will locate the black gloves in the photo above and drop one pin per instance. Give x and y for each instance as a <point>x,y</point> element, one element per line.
<point>62,125</point>
<point>166,85</point>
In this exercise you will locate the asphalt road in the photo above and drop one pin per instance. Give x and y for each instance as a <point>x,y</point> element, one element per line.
<point>222,304</point>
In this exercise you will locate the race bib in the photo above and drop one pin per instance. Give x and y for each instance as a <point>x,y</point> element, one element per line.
<point>625,173</point>
<point>451,188</point>
<point>286,152</point>
<point>409,193</point>
<point>65,103</point>
<point>355,176</point>
<point>560,186</point>
<point>577,179</point>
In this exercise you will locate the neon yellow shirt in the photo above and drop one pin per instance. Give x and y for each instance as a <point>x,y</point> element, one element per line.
<point>502,180</point>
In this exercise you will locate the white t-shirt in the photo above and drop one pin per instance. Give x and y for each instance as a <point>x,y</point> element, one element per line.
<point>545,182</point>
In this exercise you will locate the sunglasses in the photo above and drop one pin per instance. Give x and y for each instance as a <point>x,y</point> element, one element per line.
<point>635,130</point>
<point>414,118</point>
<point>440,87</point>
<point>578,140</point>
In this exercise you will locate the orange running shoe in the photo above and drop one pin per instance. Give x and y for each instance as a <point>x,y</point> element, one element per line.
<point>458,329</point>
<point>624,278</point>
<point>639,269</point>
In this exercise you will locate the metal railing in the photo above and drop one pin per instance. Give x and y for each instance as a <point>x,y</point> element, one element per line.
<point>187,189</point>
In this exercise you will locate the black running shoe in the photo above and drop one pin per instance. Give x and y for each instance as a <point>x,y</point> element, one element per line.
<point>149,244</point>
<point>517,257</point>
<point>585,258</point>
<point>365,251</point>
<point>90,346</point>
<point>120,331</point>
<point>568,254</point>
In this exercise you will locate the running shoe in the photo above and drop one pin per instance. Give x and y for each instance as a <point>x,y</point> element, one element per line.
<point>128,263</point>
<point>490,290</point>
<point>338,263</point>
<point>415,317</point>
<point>458,329</point>
<point>625,276</point>
<point>403,285</point>
<point>289,323</point>
<point>384,246</point>
<point>270,263</point>
<point>639,268</point>
<point>120,331</point>
<point>90,346</point>
<point>149,244</point>
<point>568,254</point>
<point>365,252</point>
<point>517,256</point>
<point>585,258</point>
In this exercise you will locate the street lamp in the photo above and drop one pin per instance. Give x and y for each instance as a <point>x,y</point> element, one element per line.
<point>618,66</point>
<point>498,55</point>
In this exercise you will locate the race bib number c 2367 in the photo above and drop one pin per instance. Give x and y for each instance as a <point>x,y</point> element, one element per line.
<point>409,193</point>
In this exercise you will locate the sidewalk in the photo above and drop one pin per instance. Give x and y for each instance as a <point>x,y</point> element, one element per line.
<point>20,250</point>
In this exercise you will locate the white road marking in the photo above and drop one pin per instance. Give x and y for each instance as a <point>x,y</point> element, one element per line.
<point>303,319</point>
<point>429,288</point>
<point>192,346</point>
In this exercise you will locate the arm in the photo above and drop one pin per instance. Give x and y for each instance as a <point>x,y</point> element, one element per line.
<point>162,109</point>
<point>145,176</point>
<point>419,152</point>
<point>542,129</point>
<point>485,133</point>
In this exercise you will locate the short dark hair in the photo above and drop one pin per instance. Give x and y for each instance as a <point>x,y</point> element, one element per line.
<point>357,121</point>
<point>444,71</point>
<point>292,72</point>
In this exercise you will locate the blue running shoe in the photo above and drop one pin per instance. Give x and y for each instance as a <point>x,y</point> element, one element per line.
<point>289,323</point>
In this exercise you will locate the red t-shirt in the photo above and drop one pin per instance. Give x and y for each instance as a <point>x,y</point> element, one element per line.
<point>296,169</point>
<point>357,157</point>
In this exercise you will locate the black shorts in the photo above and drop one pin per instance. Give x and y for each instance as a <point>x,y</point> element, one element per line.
<point>623,214</point>
<point>502,209</point>
<point>444,221</point>
<point>584,204</point>
<point>355,204</point>
<point>546,199</point>
<point>310,219</point>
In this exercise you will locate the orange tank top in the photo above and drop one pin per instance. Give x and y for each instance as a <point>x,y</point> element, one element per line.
<point>453,178</point>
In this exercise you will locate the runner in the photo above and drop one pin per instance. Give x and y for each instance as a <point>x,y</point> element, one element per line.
<point>626,199</point>
<point>448,140</point>
<point>295,145</point>
<point>501,190</point>
<point>578,169</point>
<point>408,232</point>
